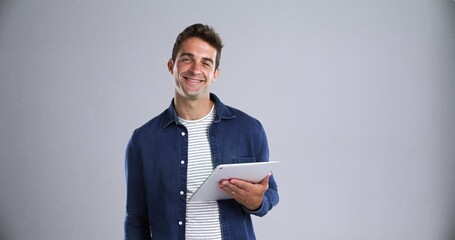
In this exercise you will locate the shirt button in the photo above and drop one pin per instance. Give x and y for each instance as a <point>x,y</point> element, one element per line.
<point>181,193</point>
<point>183,133</point>
<point>182,162</point>
<point>180,223</point>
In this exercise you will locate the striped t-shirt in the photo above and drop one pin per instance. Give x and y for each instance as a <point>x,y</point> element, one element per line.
<point>202,218</point>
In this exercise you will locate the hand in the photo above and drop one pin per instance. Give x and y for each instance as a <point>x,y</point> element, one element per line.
<point>250,195</point>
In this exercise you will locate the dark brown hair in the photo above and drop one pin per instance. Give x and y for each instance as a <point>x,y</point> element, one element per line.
<point>204,32</point>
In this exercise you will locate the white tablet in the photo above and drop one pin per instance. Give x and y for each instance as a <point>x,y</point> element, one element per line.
<point>252,172</point>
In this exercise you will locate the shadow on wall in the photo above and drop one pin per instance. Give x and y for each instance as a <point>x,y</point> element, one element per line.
<point>451,232</point>
<point>4,6</point>
<point>450,235</point>
<point>3,226</point>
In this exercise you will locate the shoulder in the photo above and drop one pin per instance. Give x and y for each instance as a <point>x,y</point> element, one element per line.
<point>152,126</point>
<point>241,114</point>
<point>243,118</point>
<point>232,114</point>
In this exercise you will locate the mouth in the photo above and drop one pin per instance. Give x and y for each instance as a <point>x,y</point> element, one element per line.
<point>193,80</point>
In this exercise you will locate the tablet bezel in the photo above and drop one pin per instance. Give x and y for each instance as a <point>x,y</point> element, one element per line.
<point>251,172</point>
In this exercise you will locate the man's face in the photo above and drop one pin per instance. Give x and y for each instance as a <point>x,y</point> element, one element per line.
<point>194,69</point>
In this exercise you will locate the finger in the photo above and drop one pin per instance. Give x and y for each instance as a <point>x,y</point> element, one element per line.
<point>224,182</point>
<point>240,183</point>
<point>229,191</point>
<point>235,194</point>
<point>236,189</point>
<point>227,186</point>
<point>224,185</point>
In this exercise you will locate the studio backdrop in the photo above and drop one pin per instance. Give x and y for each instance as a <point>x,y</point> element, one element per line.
<point>357,99</point>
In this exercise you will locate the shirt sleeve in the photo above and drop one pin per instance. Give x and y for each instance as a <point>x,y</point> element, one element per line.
<point>271,197</point>
<point>136,220</point>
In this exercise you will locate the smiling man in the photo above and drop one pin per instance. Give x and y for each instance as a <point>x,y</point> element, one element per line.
<point>170,156</point>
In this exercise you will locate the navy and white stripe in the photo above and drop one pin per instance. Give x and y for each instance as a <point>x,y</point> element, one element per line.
<point>202,218</point>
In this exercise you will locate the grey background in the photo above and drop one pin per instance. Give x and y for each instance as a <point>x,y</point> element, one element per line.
<point>357,98</point>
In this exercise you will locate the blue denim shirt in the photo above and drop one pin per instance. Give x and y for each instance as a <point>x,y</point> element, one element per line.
<point>156,172</point>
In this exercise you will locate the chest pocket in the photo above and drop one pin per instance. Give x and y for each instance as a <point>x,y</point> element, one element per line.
<point>244,159</point>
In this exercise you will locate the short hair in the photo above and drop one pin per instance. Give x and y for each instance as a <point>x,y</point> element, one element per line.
<point>204,32</point>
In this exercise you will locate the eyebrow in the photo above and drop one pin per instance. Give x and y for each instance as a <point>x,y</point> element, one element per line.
<point>192,56</point>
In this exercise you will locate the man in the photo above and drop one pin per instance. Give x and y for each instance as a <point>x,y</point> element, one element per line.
<point>169,157</point>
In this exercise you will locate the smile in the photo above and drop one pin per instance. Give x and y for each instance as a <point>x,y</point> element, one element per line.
<point>193,80</point>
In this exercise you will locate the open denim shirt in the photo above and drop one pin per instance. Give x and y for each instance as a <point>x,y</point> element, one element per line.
<point>156,173</point>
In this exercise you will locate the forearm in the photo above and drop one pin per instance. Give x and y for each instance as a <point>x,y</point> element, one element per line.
<point>270,200</point>
<point>136,225</point>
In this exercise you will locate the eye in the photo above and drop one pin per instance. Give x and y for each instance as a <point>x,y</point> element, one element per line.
<point>185,59</point>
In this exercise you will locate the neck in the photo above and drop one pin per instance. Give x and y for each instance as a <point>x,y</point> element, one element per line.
<point>192,109</point>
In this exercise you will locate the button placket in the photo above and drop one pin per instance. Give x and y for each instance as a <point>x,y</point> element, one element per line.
<point>183,166</point>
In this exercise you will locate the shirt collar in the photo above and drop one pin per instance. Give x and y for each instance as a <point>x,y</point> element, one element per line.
<point>222,112</point>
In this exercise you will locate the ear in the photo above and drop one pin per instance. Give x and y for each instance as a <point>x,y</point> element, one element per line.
<point>216,74</point>
<point>170,66</point>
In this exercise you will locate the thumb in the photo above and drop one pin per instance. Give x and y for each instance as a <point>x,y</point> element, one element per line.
<point>265,181</point>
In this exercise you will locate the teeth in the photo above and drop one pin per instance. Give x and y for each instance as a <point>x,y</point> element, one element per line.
<point>193,80</point>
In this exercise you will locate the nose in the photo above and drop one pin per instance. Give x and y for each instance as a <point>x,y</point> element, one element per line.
<point>195,68</point>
